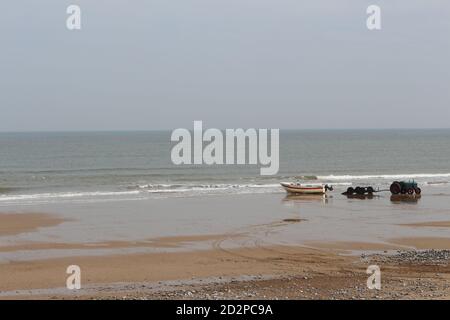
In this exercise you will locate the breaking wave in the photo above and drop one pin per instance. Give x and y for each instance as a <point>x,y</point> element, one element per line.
<point>385,176</point>
<point>44,197</point>
<point>213,188</point>
<point>257,185</point>
<point>142,192</point>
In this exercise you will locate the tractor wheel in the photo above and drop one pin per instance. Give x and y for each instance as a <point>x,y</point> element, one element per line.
<point>395,187</point>
<point>418,190</point>
<point>370,190</point>
<point>410,191</point>
<point>350,190</point>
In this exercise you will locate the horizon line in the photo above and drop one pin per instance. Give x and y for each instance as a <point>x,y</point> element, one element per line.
<point>165,130</point>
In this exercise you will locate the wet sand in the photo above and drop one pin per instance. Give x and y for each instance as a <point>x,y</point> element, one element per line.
<point>252,246</point>
<point>424,242</point>
<point>282,272</point>
<point>354,246</point>
<point>16,223</point>
<point>160,266</point>
<point>163,242</point>
<point>441,224</point>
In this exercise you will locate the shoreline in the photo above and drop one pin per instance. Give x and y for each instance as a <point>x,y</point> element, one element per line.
<point>281,248</point>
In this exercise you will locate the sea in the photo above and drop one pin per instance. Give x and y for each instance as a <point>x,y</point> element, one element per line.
<point>43,167</point>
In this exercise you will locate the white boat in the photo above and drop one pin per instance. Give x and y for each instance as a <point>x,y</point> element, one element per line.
<point>298,188</point>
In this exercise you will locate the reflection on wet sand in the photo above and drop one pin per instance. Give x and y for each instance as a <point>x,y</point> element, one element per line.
<point>413,198</point>
<point>307,198</point>
<point>361,196</point>
<point>294,220</point>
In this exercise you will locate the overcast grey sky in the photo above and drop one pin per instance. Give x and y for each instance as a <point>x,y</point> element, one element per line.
<point>143,64</point>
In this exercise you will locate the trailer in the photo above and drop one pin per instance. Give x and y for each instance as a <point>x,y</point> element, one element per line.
<point>396,188</point>
<point>360,191</point>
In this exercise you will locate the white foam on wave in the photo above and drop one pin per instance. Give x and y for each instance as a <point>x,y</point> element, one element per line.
<point>216,188</point>
<point>385,176</point>
<point>64,195</point>
<point>436,183</point>
<point>142,191</point>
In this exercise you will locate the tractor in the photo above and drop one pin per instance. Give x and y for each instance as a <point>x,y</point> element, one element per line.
<point>405,187</point>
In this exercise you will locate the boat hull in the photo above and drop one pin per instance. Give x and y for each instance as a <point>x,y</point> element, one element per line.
<point>298,189</point>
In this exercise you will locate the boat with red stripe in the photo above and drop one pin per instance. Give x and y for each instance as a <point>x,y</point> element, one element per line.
<point>298,188</point>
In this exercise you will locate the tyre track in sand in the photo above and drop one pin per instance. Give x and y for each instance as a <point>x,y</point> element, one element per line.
<point>252,237</point>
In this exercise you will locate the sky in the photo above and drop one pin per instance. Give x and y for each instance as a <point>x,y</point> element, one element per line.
<point>161,64</point>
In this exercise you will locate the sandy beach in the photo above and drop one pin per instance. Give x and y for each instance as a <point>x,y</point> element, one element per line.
<point>283,248</point>
<point>282,272</point>
<point>224,150</point>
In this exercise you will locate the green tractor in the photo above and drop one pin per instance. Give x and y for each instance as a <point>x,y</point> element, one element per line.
<point>405,187</point>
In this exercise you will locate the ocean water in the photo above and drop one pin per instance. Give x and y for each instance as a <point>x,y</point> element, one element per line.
<point>105,166</point>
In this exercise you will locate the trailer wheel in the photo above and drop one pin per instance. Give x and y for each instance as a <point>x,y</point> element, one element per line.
<point>360,190</point>
<point>395,187</point>
<point>350,190</point>
<point>370,190</point>
<point>418,190</point>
